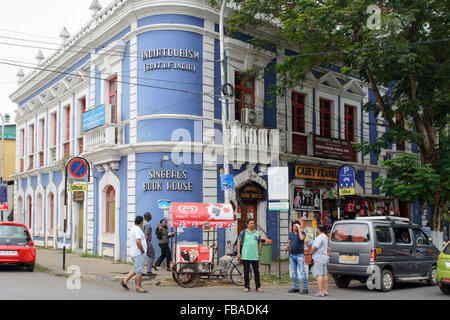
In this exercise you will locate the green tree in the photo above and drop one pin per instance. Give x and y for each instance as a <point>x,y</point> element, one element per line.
<point>407,53</point>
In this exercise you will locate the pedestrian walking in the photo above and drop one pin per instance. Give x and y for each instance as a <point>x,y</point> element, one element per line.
<point>138,249</point>
<point>147,229</point>
<point>249,252</point>
<point>296,244</point>
<point>320,258</point>
<point>163,235</point>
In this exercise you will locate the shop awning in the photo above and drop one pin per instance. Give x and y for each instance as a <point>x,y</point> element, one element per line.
<point>194,215</point>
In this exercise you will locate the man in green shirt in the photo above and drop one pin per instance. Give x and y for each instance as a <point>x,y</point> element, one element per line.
<point>249,253</point>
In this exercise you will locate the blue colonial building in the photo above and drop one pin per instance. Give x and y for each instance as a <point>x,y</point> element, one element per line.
<point>136,92</point>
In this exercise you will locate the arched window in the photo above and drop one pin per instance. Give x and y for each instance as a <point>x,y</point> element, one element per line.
<point>52,211</point>
<point>38,213</point>
<point>30,211</point>
<point>110,210</point>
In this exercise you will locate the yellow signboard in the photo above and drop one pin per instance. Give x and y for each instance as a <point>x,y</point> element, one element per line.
<point>346,191</point>
<point>77,187</point>
<point>316,173</point>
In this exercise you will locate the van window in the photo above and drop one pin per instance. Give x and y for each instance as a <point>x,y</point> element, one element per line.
<point>383,234</point>
<point>402,235</point>
<point>13,235</point>
<point>421,237</point>
<point>351,232</point>
<point>447,249</point>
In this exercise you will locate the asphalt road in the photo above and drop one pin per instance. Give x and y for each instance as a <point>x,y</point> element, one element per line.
<point>21,285</point>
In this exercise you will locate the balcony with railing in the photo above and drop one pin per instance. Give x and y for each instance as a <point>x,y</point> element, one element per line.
<point>99,144</point>
<point>253,144</point>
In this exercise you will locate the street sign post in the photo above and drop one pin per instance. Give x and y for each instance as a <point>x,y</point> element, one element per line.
<point>226,182</point>
<point>346,186</point>
<point>77,172</point>
<point>278,185</point>
<point>3,192</point>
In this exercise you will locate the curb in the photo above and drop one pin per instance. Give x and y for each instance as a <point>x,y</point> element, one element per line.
<point>166,282</point>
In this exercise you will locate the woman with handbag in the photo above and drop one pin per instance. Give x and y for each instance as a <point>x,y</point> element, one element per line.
<point>163,235</point>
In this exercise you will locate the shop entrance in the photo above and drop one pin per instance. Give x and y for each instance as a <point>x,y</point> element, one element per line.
<point>247,211</point>
<point>403,208</point>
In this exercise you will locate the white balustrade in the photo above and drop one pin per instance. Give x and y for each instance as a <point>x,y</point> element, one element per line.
<point>109,135</point>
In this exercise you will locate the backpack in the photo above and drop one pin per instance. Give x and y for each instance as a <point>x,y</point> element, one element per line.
<point>242,235</point>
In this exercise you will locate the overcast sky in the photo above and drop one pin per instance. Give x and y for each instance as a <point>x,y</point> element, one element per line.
<point>37,20</point>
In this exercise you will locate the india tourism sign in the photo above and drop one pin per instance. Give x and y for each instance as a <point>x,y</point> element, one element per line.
<point>167,55</point>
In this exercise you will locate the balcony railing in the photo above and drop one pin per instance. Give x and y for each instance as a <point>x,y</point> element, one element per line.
<point>253,144</point>
<point>109,135</point>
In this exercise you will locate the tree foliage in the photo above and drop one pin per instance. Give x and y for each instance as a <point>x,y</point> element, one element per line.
<point>408,54</point>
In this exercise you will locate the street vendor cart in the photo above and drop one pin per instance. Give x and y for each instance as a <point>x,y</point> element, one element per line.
<point>193,261</point>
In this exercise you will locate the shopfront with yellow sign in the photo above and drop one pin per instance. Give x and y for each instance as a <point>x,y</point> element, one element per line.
<point>314,194</point>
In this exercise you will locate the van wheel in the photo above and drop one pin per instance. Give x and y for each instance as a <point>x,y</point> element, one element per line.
<point>445,289</point>
<point>387,281</point>
<point>432,276</point>
<point>342,282</point>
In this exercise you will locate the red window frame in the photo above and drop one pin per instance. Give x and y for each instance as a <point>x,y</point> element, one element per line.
<point>298,112</point>
<point>22,135</point>
<point>42,134</point>
<point>240,91</point>
<point>52,209</point>
<point>325,110</point>
<point>67,144</point>
<point>349,121</point>
<point>110,197</point>
<point>41,152</point>
<point>55,125</point>
<point>83,110</point>
<point>67,109</point>
<point>112,98</point>
<point>400,120</point>
<point>32,138</point>
<point>30,212</point>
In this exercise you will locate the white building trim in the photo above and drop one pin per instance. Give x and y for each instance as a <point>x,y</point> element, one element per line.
<point>109,179</point>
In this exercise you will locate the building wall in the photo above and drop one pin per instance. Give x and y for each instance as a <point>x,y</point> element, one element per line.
<point>172,112</point>
<point>9,158</point>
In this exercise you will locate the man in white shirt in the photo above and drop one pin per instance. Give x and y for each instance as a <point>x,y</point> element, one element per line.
<point>138,249</point>
<point>320,257</point>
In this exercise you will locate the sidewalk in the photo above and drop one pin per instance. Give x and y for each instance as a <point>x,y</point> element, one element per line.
<point>101,269</point>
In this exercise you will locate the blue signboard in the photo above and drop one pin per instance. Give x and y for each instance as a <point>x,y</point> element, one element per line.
<point>226,182</point>
<point>3,192</point>
<point>94,118</point>
<point>346,181</point>
<point>164,204</point>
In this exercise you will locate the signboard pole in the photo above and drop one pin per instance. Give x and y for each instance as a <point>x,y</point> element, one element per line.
<point>279,245</point>
<point>80,170</point>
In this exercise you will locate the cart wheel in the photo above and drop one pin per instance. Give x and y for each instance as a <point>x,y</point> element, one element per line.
<point>187,277</point>
<point>237,274</point>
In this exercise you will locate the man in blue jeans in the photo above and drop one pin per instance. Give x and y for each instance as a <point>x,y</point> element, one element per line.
<point>296,243</point>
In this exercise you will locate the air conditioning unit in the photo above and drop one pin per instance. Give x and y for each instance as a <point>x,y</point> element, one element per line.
<point>249,116</point>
